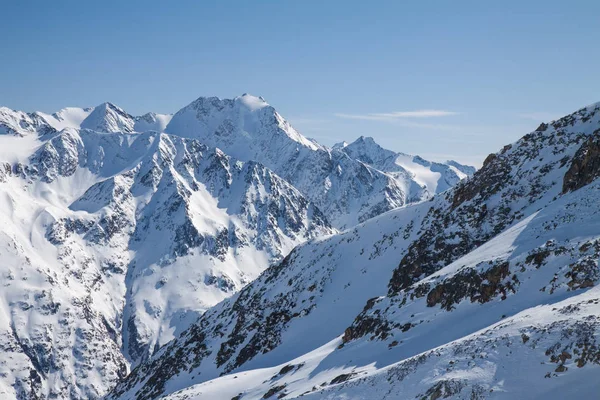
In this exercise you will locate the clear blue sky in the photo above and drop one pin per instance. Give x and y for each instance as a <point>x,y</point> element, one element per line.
<point>488,72</point>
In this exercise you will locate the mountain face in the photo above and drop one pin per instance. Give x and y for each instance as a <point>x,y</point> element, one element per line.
<point>348,189</point>
<point>489,290</point>
<point>419,178</point>
<point>18,123</point>
<point>113,243</point>
<point>117,232</point>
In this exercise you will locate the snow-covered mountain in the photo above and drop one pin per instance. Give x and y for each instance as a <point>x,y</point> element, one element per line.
<point>419,178</point>
<point>113,243</point>
<point>347,190</point>
<point>19,123</point>
<point>350,184</point>
<point>115,235</point>
<point>490,290</point>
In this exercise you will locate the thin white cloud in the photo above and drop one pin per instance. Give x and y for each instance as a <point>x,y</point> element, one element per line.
<point>421,125</point>
<point>398,115</point>
<point>417,114</point>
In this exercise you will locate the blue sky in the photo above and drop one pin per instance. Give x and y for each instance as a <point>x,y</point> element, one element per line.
<point>442,79</point>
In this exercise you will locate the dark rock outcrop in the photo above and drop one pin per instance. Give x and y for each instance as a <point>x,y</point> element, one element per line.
<point>585,166</point>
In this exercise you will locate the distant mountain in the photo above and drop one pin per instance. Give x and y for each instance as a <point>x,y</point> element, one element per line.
<point>418,177</point>
<point>248,128</point>
<point>18,123</point>
<point>152,122</point>
<point>490,290</point>
<point>348,191</point>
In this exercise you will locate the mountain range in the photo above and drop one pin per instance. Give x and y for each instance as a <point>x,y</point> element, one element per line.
<point>487,291</point>
<point>119,233</point>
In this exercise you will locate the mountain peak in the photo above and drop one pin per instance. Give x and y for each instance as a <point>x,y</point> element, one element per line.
<point>340,145</point>
<point>109,106</point>
<point>252,102</point>
<point>366,149</point>
<point>367,139</point>
<point>242,126</point>
<point>109,118</point>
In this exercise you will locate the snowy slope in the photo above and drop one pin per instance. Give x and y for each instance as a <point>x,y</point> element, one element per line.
<point>114,243</point>
<point>70,117</point>
<point>488,291</point>
<point>546,352</point>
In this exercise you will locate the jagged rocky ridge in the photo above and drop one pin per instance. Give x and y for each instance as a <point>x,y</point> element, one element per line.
<point>113,243</point>
<point>488,291</point>
<point>348,190</point>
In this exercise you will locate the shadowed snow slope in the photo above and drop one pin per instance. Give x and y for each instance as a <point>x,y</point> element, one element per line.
<point>490,290</point>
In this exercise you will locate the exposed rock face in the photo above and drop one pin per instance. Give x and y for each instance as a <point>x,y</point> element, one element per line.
<point>585,166</point>
<point>481,287</point>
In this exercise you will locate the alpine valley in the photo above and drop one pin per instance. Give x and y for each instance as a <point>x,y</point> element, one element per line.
<point>147,254</point>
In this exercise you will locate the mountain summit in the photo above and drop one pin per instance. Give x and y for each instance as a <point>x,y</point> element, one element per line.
<point>347,189</point>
